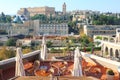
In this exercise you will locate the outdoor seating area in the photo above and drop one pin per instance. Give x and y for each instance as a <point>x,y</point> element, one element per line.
<point>47,68</point>
<point>56,68</point>
<point>61,68</point>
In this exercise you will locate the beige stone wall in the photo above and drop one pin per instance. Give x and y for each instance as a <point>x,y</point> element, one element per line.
<point>92,30</point>
<point>21,11</point>
<point>38,10</point>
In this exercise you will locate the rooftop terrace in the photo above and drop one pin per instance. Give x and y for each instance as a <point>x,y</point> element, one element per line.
<point>93,68</point>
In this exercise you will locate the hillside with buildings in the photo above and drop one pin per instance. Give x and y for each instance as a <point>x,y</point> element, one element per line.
<point>54,42</point>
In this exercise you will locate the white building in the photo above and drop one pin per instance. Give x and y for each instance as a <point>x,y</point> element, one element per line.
<point>92,30</point>
<point>35,28</point>
<point>84,16</point>
<point>51,29</point>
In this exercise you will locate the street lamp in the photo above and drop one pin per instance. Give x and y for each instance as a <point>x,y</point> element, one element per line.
<point>119,71</point>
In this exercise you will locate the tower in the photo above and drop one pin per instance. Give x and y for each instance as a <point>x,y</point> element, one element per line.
<point>64,8</point>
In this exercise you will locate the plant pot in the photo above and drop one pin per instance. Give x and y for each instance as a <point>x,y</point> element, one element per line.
<point>110,77</point>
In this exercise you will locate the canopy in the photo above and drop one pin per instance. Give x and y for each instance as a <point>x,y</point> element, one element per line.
<point>19,64</point>
<point>77,69</point>
<point>43,49</point>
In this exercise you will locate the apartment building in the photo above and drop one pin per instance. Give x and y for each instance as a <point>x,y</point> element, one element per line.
<point>51,29</point>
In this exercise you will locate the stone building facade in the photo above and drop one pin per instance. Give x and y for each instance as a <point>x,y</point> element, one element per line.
<point>92,30</point>
<point>37,10</point>
<point>51,29</point>
<point>35,28</point>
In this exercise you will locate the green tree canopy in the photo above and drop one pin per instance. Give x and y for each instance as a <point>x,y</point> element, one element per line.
<point>11,42</point>
<point>49,44</point>
<point>5,18</point>
<point>6,53</point>
<point>52,19</point>
<point>39,17</point>
<point>85,41</point>
<point>72,27</point>
<point>105,20</point>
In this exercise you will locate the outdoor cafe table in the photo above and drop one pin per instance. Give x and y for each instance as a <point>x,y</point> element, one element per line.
<point>42,72</point>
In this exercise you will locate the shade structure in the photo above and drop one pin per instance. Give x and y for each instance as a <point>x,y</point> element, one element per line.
<point>43,49</point>
<point>19,71</point>
<point>77,68</point>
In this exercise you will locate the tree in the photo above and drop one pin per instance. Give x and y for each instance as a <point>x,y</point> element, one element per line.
<point>105,20</point>
<point>11,53</point>
<point>85,41</point>
<point>8,18</point>
<point>81,32</point>
<point>49,44</point>
<point>72,27</point>
<point>2,53</point>
<point>3,18</point>
<point>6,53</point>
<point>68,44</point>
<point>72,39</point>
<point>70,17</point>
<point>11,42</point>
<point>41,17</point>
<point>26,50</point>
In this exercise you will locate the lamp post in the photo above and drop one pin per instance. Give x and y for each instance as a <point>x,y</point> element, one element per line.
<point>119,71</point>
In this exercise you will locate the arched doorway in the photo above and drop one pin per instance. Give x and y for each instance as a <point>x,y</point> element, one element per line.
<point>111,52</point>
<point>106,51</point>
<point>116,53</point>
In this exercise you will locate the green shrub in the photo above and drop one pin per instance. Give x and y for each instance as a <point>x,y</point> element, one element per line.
<point>97,48</point>
<point>11,42</point>
<point>88,49</point>
<point>110,72</point>
<point>56,50</point>
<point>99,37</point>
<point>6,53</point>
<point>49,44</point>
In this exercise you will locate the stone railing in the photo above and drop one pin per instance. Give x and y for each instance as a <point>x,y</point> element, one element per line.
<point>102,61</point>
<point>25,56</point>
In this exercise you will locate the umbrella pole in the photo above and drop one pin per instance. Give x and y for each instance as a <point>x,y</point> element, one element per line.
<point>81,63</point>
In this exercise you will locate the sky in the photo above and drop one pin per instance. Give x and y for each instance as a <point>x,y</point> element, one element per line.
<point>12,6</point>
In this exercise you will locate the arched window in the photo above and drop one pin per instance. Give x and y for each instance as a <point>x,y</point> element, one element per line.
<point>116,53</point>
<point>111,52</point>
<point>106,51</point>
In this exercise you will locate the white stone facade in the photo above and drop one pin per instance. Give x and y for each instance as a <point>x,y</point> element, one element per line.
<point>92,30</point>
<point>35,28</point>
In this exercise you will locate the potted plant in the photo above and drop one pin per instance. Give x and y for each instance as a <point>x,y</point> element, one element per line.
<point>110,74</point>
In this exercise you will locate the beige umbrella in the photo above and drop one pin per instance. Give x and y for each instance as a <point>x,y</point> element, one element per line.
<point>43,49</point>
<point>19,64</point>
<point>77,69</point>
